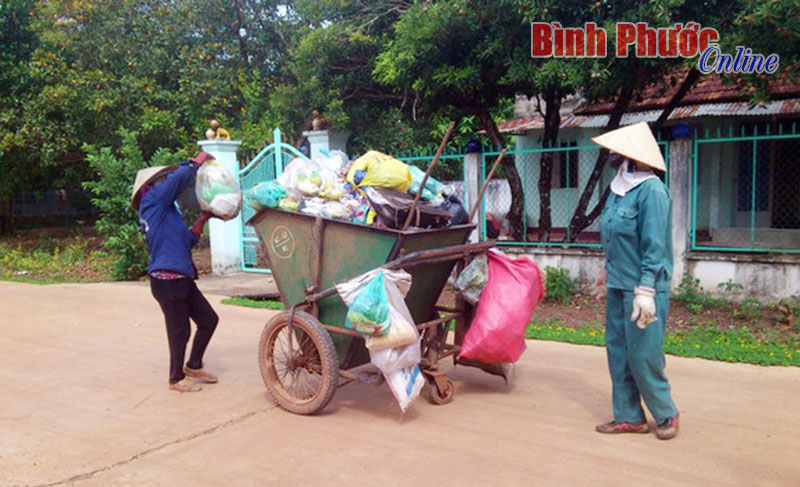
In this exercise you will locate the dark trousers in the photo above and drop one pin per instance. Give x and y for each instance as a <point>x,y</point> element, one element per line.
<point>180,300</point>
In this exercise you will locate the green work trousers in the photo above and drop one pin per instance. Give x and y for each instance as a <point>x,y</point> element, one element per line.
<point>636,360</point>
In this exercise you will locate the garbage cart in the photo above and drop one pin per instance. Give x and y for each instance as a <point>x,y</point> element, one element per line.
<point>305,352</point>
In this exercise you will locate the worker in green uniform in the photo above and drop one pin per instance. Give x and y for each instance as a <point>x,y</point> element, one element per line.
<point>636,230</point>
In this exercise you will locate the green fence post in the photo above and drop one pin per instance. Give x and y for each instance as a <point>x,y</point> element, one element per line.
<point>695,162</point>
<point>753,197</point>
<point>483,198</point>
<point>276,140</point>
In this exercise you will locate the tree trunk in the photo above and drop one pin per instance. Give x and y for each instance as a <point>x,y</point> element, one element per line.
<point>691,77</point>
<point>580,219</point>
<point>239,26</point>
<point>552,122</point>
<point>516,211</point>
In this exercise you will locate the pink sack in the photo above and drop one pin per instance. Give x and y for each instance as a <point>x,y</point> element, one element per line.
<point>497,333</point>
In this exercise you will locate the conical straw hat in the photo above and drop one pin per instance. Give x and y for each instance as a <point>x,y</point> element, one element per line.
<point>143,177</point>
<point>634,142</point>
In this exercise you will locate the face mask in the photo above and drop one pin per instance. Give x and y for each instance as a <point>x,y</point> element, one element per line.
<point>615,161</point>
<point>627,179</point>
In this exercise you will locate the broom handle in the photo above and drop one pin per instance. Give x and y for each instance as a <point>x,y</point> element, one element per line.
<point>413,208</point>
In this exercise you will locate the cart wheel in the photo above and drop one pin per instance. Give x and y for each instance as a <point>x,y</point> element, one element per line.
<point>444,396</point>
<point>298,363</point>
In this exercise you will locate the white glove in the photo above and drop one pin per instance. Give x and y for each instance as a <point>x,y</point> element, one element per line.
<point>644,306</point>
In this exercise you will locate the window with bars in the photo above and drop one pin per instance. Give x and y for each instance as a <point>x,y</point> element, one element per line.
<point>565,167</point>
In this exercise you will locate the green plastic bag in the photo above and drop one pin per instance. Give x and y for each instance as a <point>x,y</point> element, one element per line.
<point>432,186</point>
<point>369,313</point>
<point>265,195</point>
<point>215,189</point>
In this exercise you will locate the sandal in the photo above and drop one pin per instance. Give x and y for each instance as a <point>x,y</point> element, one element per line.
<point>200,374</point>
<point>185,385</point>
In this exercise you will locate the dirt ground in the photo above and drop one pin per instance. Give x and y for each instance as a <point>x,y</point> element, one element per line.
<point>84,403</point>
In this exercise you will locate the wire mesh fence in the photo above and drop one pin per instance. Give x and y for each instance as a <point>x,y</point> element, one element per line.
<point>551,211</point>
<point>450,169</point>
<point>745,193</point>
<point>54,203</point>
<point>746,188</point>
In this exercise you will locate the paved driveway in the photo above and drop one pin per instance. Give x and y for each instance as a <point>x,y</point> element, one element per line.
<point>84,402</point>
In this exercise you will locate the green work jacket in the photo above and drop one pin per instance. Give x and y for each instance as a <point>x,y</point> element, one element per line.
<point>636,230</point>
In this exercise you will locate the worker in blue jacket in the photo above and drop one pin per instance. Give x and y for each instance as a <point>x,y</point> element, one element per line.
<point>171,269</point>
<point>636,231</point>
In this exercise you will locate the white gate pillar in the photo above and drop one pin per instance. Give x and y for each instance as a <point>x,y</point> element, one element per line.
<point>225,236</point>
<point>326,140</point>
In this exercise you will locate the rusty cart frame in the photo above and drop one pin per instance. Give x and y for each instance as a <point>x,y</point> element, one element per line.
<point>305,350</point>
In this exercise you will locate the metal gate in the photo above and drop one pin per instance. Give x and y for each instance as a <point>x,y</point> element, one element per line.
<point>265,166</point>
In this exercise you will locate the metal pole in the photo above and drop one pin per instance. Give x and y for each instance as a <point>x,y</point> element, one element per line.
<point>413,208</point>
<point>276,140</point>
<point>695,161</point>
<point>753,196</point>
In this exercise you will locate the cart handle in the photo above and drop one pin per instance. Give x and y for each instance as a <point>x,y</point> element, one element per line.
<point>419,257</point>
<point>442,254</point>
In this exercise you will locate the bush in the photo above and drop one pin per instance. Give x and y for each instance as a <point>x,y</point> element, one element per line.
<point>690,294</point>
<point>560,287</point>
<point>748,309</point>
<point>696,299</point>
<point>111,195</point>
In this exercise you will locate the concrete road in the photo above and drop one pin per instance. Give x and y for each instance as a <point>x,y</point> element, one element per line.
<point>84,402</point>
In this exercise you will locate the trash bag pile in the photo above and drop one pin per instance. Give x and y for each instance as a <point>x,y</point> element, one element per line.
<point>374,189</point>
<point>377,309</point>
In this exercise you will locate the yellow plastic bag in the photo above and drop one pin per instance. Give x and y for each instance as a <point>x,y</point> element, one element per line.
<point>382,171</point>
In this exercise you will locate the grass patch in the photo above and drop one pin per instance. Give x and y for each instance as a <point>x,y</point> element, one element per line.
<point>31,280</point>
<point>254,303</point>
<point>53,261</point>
<point>703,341</point>
<point>558,331</point>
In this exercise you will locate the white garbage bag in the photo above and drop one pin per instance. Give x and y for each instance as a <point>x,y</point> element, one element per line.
<point>218,191</point>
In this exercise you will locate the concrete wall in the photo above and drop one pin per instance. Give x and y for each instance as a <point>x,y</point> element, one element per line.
<point>763,278</point>
<point>584,265</point>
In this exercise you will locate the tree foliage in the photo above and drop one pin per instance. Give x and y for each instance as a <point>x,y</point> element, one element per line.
<point>456,55</point>
<point>111,193</point>
<point>80,74</point>
<point>160,68</point>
